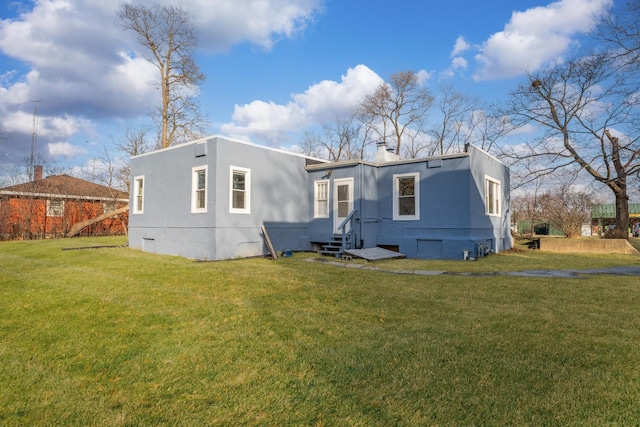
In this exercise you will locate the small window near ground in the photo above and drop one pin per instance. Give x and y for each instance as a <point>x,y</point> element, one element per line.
<point>492,196</point>
<point>321,197</point>
<point>199,186</point>
<point>138,195</point>
<point>406,196</point>
<point>55,207</point>
<point>240,192</point>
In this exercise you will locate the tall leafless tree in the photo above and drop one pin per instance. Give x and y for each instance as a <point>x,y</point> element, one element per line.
<point>340,139</point>
<point>456,120</point>
<point>133,142</point>
<point>401,104</point>
<point>416,144</point>
<point>621,33</point>
<point>587,115</point>
<point>111,172</point>
<point>489,128</point>
<point>169,38</point>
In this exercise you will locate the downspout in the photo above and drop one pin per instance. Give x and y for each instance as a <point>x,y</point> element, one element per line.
<point>361,244</point>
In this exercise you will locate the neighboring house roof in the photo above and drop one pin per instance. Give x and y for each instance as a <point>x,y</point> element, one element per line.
<point>65,187</point>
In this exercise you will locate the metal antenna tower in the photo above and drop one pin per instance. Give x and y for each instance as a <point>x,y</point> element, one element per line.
<point>34,139</point>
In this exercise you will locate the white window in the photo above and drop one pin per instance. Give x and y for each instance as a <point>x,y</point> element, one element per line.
<point>406,196</point>
<point>240,191</point>
<point>55,207</point>
<point>199,189</point>
<point>321,197</point>
<point>492,196</point>
<point>138,194</point>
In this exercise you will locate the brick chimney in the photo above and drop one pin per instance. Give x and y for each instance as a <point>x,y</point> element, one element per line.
<point>37,172</point>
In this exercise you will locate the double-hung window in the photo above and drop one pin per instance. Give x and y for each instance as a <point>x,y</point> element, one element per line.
<point>321,199</point>
<point>240,191</point>
<point>55,207</point>
<point>138,194</point>
<point>199,189</point>
<point>492,196</point>
<point>406,196</point>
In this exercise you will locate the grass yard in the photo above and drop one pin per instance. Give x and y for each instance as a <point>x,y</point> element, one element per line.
<point>116,337</point>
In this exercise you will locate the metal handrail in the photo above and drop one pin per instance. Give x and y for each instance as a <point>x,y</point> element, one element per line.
<point>348,220</point>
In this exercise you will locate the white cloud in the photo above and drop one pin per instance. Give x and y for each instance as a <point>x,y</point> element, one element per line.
<point>537,37</point>
<point>446,74</point>
<point>320,102</point>
<point>223,23</point>
<point>460,46</point>
<point>80,59</point>
<point>459,63</point>
<point>73,55</point>
<point>65,149</point>
<point>423,76</point>
<point>62,127</point>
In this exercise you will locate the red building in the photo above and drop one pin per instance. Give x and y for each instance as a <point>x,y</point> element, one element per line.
<point>49,207</point>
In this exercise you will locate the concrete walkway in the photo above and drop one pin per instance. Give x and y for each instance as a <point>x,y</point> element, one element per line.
<point>572,274</point>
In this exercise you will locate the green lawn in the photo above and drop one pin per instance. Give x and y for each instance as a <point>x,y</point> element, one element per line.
<point>113,336</point>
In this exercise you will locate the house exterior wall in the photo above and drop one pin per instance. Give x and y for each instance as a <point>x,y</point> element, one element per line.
<point>444,217</point>
<point>496,230</point>
<point>26,217</point>
<point>452,216</point>
<point>365,194</point>
<point>166,224</point>
<point>277,199</point>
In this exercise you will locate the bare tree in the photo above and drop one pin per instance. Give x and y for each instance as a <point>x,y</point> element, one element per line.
<point>622,34</point>
<point>344,138</point>
<point>134,142</point>
<point>397,106</point>
<point>587,114</point>
<point>488,128</point>
<point>312,145</point>
<point>111,172</point>
<point>567,209</point>
<point>169,38</point>
<point>457,121</point>
<point>416,144</point>
<point>526,207</point>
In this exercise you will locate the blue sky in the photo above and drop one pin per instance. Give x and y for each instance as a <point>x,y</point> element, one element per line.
<point>274,67</point>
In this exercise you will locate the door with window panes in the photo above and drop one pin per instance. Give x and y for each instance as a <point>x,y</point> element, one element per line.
<point>342,201</point>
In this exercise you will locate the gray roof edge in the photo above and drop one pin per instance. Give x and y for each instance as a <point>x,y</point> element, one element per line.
<point>346,163</point>
<point>235,140</point>
<point>60,196</point>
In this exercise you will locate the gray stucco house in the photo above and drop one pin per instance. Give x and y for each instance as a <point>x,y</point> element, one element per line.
<point>208,199</point>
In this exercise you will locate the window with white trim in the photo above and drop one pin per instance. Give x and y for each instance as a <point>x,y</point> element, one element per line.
<point>492,196</point>
<point>138,194</point>
<point>199,189</point>
<point>55,207</point>
<point>406,196</point>
<point>321,199</point>
<point>240,191</point>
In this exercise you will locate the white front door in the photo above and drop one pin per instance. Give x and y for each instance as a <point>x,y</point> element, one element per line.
<point>342,201</point>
